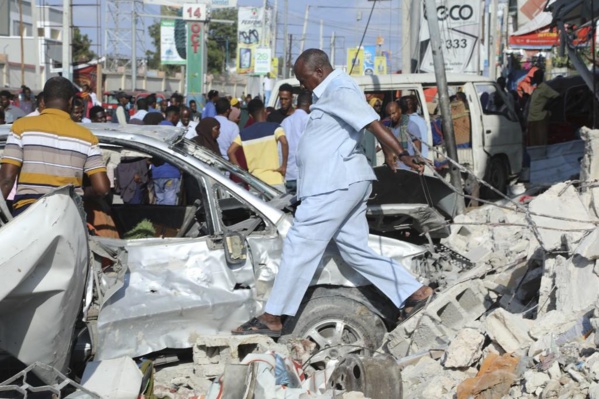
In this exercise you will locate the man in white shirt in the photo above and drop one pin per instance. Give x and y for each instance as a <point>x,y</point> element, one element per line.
<point>142,110</point>
<point>268,83</point>
<point>294,126</point>
<point>228,130</point>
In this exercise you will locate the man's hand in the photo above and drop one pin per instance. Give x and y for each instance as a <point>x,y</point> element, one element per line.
<point>391,160</point>
<point>413,162</point>
<point>282,170</point>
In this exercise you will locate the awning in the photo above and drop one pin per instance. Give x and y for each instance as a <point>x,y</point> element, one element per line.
<point>542,39</point>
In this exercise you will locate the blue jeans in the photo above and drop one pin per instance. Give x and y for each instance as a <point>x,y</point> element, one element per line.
<point>166,190</point>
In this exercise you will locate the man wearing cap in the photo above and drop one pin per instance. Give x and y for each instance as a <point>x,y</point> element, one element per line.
<point>210,108</point>
<point>121,115</point>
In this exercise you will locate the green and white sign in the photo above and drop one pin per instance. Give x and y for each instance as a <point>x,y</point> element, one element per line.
<point>169,54</point>
<point>262,61</point>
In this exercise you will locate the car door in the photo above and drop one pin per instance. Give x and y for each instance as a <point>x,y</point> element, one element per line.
<point>501,133</point>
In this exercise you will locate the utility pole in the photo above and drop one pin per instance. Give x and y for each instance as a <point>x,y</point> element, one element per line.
<point>133,50</point>
<point>406,42</point>
<point>66,39</point>
<point>274,30</point>
<point>439,63</point>
<point>22,44</point>
<point>321,35</point>
<point>333,49</point>
<point>303,40</point>
<point>289,65</point>
<point>285,38</point>
<point>36,46</point>
<point>492,41</point>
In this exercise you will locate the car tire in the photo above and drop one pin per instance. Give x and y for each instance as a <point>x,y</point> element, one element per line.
<point>497,176</point>
<point>338,326</point>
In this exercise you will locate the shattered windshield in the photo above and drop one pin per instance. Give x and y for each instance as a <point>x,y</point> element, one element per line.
<point>242,177</point>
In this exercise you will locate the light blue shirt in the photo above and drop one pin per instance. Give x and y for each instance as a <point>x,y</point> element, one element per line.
<point>418,131</point>
<point>228,132</point>
<point>209,110</point>
<point>294,127</point>
<point>328,158</point>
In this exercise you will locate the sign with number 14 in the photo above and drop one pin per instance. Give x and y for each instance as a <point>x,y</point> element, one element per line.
<point>196,12</point>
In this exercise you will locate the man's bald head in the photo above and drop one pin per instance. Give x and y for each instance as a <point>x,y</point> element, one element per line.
<point>394,112</point>
<point>315,58</point>
<point>391,106</point>
<point>312,67</point>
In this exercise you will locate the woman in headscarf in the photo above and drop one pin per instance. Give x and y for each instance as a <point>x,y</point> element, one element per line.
<point>208,131</point>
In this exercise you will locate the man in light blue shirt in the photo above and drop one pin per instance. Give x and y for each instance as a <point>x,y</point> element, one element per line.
<point>334,184</point>
<point>209,110</point>
<point>294,126</point>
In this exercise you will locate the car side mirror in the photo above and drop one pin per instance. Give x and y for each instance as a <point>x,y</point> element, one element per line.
<point>235,248</point>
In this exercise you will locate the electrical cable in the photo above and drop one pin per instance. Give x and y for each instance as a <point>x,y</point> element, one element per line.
<point>363,36</point>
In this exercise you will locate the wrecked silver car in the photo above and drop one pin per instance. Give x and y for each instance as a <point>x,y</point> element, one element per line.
<point>208,266</point>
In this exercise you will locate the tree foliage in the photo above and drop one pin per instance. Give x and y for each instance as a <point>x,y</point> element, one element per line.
<point>81,51</point>
<point>220,38</point>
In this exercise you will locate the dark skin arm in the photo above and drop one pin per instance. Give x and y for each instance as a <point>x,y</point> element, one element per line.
<point>391,147</point>
<point>285,152</point>
<point>8,176</point>
<point>231,153</point>
<point>100,185</point>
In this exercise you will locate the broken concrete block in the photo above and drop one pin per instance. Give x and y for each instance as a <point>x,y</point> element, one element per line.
<point>551,390</point>
<point>534,380</point>
<point>212,353</point>
<point>546,290</point>
<point>560,199</point>
<point>510,331</point>
<point>589,247</point>
<point>465,349</point>
<point>549,323</point>
<point>554,371</point>
<point>443,318</point>
<point>594,391</point>
<point>494,379</point>
<point>571,280</point>
<point>118,378</point>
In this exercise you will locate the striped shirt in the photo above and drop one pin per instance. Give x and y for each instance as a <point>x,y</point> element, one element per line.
<point>52,151</point>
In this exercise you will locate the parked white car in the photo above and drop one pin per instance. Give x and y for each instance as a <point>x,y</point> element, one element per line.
<point>492,149</point>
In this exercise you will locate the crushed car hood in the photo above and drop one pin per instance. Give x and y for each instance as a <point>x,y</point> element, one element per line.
<point>44,256</point>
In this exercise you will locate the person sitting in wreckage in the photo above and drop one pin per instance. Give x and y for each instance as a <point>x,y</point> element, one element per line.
<point>334,184</point>
<point>50,151</point>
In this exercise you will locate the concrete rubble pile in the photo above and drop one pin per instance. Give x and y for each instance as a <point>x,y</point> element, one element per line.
<point>522,322</point>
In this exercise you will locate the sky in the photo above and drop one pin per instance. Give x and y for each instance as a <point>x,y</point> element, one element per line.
<point>347,18</point>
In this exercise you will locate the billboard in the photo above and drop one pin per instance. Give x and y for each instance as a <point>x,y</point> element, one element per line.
<point>252,24</point>
<point>179,3</point>
<point>529,10</point>
<point>367,62</point>
<point>169,55</point>
<point>459,23</point>
<point>262,61</point>
<point>355,58</point>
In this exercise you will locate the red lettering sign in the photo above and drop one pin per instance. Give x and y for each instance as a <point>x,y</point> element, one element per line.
<point>196,28</point>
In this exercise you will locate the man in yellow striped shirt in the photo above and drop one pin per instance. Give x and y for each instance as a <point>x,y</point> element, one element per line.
<point>50,151</point>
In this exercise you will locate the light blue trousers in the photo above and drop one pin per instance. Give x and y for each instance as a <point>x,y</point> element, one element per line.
<point>341,216</point>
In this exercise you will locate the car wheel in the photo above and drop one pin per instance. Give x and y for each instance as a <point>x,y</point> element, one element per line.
<point>338,326</point>
<point>497,176</point>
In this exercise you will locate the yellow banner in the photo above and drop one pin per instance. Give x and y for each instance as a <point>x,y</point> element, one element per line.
<point>245,58</point>
<point>355,57</point>
<point>380,65</point>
